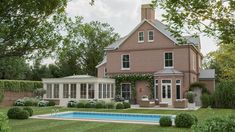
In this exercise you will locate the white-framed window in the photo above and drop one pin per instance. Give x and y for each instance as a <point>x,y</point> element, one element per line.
<point>125,62</point>
<point>104,91</point>
<point>112,91</point>
<point>66,91</point>
<point>91,91</point>
<point>56,90</point>
<point>83,92</point>
<point>156,88</point>
<point>49,90</point>
<point>140,36</point>
<point>168,60</point>
<point>126,91</point>
<point>150,36</point>
<point>73,91</point>
<point>178,89</point>
<point>108,90</point>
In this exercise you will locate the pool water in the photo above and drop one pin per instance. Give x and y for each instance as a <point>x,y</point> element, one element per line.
<point>109,116</point>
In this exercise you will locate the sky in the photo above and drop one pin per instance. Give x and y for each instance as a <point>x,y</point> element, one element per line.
<point>122,15</point>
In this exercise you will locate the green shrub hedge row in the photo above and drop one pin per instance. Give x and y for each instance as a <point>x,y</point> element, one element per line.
<point>19,113</point>
<point>19,85</point>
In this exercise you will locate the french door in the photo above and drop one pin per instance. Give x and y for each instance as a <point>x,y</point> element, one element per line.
<point>166,91</point>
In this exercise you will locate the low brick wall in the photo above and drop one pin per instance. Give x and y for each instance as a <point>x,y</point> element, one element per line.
<point>11,97</point>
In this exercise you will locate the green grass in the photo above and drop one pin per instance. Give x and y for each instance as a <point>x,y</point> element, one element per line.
<point>39,125</point>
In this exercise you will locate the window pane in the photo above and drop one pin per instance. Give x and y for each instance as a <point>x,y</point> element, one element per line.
<point>156,91</point>
<point>73,91</point>
<point>141,36</point>
<point>112,90</point>
<point>126,91</point>
<point>150,35</point>
<point>168,60</point>
<point>177,91</point>
<point>83,91</point>
<point>65,90</point>
<point>163,91</point>
<point>169,91</point>
<point>166,81</point>
<point>49,91</point>
<point>177,81</point>
<point>100,91</point>
<point>108,91</point>
<point>104,91</point>
<point>91,91</point>
<point>56,90</point>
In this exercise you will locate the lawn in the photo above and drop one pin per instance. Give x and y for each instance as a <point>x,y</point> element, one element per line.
<point>39,125</point>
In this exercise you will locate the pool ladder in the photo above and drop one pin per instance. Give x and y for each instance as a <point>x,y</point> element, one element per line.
<point>54,111</point>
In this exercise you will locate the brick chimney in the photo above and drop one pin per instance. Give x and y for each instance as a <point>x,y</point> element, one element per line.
<point>147,12</point>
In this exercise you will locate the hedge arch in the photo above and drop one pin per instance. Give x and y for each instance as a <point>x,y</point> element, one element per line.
<point>199,85</point>
<point>132,79</point>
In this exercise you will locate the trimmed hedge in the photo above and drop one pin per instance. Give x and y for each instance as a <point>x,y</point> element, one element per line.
<point>165,121</point>
<point>199,85</point>
<point>30,110</point>
<point>17,113</point>
<point>185,120</point>
<point>19,85</point>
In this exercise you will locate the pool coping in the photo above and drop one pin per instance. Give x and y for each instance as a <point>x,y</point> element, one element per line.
<point>48,116</point>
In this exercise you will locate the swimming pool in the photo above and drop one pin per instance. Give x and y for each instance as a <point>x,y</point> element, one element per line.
<point>106,117</point>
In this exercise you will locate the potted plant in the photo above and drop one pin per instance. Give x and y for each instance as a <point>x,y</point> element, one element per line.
<point>190,97</point>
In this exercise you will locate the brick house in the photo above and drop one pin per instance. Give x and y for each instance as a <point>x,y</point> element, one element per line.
<point>151,49</point>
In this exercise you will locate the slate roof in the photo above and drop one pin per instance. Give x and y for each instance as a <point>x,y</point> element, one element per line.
<point>207,74</point>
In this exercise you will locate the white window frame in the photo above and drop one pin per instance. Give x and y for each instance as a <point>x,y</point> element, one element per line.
<point>130,89</point>
<point>57,91</point>
<point>140,41</point>
<point>176,88</point>
<point>148,35</point>
<point>166,87</point>
<point>172,59</point>
<point>122,68</point>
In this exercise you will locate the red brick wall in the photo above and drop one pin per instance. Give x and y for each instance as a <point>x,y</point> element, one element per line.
<point>11,97</point>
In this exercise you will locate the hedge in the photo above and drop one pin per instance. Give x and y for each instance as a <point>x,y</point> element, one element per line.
<point>19,85</point>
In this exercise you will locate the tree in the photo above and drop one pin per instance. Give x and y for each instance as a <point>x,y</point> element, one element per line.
<point>14,68</point>
<point>83,46</point>
<point>212,17</point>
<point>26,26</point>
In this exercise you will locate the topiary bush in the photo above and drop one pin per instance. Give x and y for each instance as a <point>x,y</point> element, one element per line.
<point>30,110</point>
<point>28,103</point>
<point>184,120</point>
<point>119,105</point>
<point>51,103</point>
<point>190,96</point>
<point>23,114</point>
<point>165,121</point>
<point>13,112</point>
<point>126,105</point>
<point>19,102</point>
<point>4,125</point>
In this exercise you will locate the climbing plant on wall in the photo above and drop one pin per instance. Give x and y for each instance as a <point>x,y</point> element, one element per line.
<point>132,79</point>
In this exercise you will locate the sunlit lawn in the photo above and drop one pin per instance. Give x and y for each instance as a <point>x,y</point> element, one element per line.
<point>38,125</point>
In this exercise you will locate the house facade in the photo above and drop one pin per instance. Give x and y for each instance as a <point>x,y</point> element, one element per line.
<point>151,49</point>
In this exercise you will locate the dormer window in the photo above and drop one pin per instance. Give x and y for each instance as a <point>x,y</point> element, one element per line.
<point>140,37</point>
<point>126,62</point>
<point>150,36</point>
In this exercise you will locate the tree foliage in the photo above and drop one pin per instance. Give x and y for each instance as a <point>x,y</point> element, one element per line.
<point>212,17</point>
<point>26,26</point>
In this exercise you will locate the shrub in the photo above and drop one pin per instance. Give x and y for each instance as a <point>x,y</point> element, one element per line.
<point>119,98</point>
<point>30,110</point>
<point>51,103</point>
<point>126,105</point>
<point>206,100</point>
<point>90,104</point>
<point>42,103</point>
<point>16,85</point>
<point>110,105</point>
<point>4,126</point>
<point>19,102</point>
<point>190,97</point>
<point>13,112</point>
<point>1,94</point>
<point>119,105</point>
<point>28,103</point>
<point>216,124</point>
<point>23,114</point>
<point>184,120</point>
<point>80,105</point>
<point>100,104</point>
<point>165,121</point>
<point>71,104</point>
<point>224,95</point>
